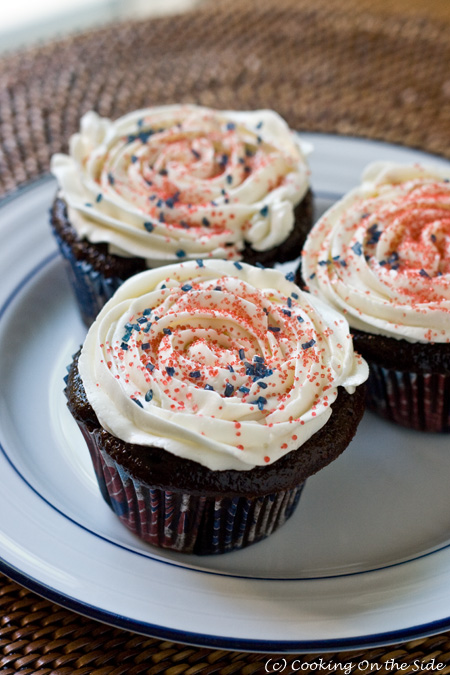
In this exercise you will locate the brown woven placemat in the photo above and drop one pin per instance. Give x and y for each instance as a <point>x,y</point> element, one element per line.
<point>324,69</point>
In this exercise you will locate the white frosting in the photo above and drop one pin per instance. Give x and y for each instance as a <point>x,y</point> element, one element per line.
<point>270,356</point>
<point>182,181</point>
<point>381,255</point>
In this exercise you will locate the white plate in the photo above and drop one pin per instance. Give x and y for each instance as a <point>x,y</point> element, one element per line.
<point>364,561</point>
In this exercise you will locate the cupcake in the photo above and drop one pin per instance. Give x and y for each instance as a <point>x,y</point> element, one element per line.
<point>207,393</point>
<point>175,183</point>
<point>381,256</point>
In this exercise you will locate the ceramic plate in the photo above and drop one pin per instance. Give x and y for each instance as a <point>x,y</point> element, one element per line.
<point>364,561</point>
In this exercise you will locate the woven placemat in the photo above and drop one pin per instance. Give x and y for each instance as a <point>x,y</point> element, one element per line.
<point>324,69</point>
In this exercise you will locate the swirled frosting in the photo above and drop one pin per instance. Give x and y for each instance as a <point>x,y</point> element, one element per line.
<point>381,255</point>
<point>226,364</point>
<point>181,181</point>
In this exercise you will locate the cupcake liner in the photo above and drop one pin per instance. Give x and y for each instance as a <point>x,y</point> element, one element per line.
<point>184,522</point>
<point>92,289</point>
<point>416,400</point>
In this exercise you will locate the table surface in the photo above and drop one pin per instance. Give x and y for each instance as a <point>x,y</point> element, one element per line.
<point>324,64</point>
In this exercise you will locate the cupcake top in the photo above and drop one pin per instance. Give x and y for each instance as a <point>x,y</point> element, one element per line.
<point>229,365</point>
<point>381,255</point>
<point>181,181</point>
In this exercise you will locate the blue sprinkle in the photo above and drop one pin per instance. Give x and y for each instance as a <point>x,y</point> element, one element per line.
<point>294,295</point>
<point>324,263</point>
<point>231,126</point>
<point>145,346</point>
<point>374,238</point>
<point>287,312</point>
<point>140,123</point>
<point>382,262</point>
<point>152,198</point>
<point>170,371</point>
<point>149,395</point>
<point>300,319</point>
<point>150,367</point>
<point>249,153</point>
<point>138,402</point>
<point>218,288</point>
<point>88,204</point>
<point>149,226</point>
<point>289,302</point>
<point>393,257</point>
<point>110,179</point>
<point>229,179</point>
<point>206,222</point>
<point>147,312</point>
<point>229,389</point>
<point>264,211</point>
<point>263,385</point>
<point>274,329</point>
<point>163,172</point>
<point>336,258</point>
<point>134,159</point>
<point>260,265</point>
<point>307,345</point>
<point>266,311</point>
<point>259,125</point>
<point>184,224</point>
<point>258,359</point>
<point>223,192</point>
<point>260,402</point>
<point>167,331</point>
<point>357,248</point>
<point>237,265</point>
<point>241,160</point>
<point>195,374</point>
<point>195,153</point>
<point>162,217</point>
<point>433,237</point>
<point>147,327</point>
<point>180,254</point>
<point>231,369</point>
<point>244,390</point>
<point>290,276</point>
<point>200,262</point>
<point>241,354</point>
<point>395,267</point>
<point>142,320</point>
<point>126,337</point>
<point>423,273</point>
<point>163,286</point>
<point>208,387</point>
<point>343,263</point>
<point>186,287</point>
<point>170,202</point>
<point>159,203</point>
<point>258,139</point>
<point>124,346</point>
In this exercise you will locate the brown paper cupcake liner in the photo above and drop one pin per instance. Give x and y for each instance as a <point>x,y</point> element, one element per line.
<point>185,522</point>
<point>419,401</point>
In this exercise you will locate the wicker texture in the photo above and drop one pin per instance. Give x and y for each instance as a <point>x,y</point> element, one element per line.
<point>324,69</point>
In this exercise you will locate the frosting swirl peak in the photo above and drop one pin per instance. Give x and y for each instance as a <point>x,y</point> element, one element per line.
<point>222,363</point>
<point>381,255</point>
<point>181,181</point>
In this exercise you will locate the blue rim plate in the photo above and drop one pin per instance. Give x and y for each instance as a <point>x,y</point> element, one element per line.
<point>364,561</point>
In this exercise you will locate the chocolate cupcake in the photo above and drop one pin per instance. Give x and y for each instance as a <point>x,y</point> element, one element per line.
<point>174,183</point>
<point>207,393</point>
<point>382,257</point>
